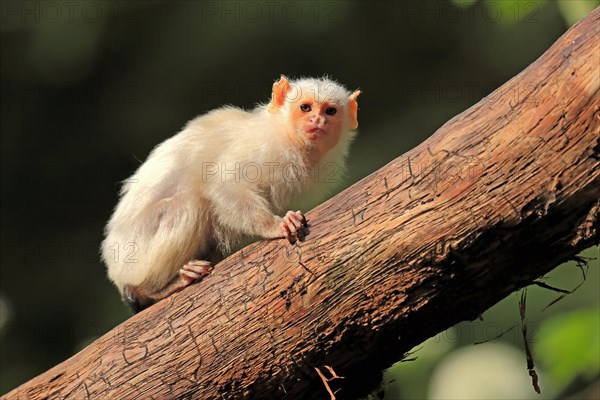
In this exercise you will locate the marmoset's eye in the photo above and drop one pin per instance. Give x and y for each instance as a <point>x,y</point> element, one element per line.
<point>305,107</point>
<point>331,111</point>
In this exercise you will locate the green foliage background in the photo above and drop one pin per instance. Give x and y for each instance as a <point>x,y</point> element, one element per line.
<point>89,87</point>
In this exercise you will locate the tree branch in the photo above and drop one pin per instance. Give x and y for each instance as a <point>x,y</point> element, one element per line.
<point>497,197</point>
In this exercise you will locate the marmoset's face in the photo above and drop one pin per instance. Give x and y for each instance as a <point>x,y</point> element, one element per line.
<point>319,122</point>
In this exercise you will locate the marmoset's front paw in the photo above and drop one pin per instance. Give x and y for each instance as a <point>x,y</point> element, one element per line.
<point>294,226</point>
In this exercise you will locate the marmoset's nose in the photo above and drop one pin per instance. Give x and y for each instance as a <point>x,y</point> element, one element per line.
<point>317,119</point>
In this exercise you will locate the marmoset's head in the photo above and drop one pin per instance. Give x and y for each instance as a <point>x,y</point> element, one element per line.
<point>319,110</point>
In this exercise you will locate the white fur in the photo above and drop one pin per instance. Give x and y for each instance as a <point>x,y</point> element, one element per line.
<point>176,207</point>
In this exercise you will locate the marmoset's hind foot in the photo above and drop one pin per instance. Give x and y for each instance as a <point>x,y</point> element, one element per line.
<point>195,270</point>
<point>140,298</point>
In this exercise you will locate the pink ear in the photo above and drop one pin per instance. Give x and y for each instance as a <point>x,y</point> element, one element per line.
<point>353,109</point>
<point>280,89</point>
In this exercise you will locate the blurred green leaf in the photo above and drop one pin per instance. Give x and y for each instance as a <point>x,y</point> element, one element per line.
<point>573,10</point>
<point>568,346</point>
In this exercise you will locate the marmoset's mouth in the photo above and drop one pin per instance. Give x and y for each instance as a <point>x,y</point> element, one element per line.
<point>315,133</point>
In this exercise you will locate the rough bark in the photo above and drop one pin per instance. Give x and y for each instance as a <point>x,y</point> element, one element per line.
<point>497,197</point>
